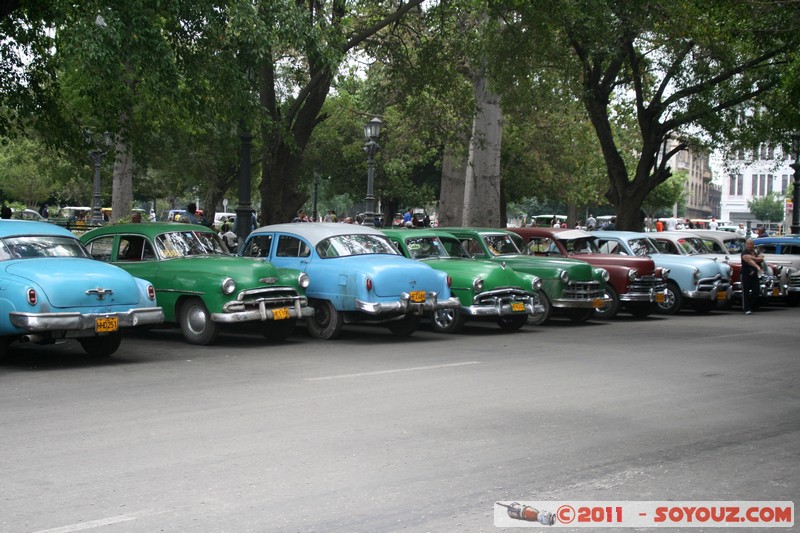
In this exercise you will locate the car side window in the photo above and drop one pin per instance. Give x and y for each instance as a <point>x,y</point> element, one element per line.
<point>135,248</point>
<point>543,245</point>
<point>258,246</point>
<point>473,247</point>
<point>289,246</point>
<point>607,247</point>
<point>101,248</point>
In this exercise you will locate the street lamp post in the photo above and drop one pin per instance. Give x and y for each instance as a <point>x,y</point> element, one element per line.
<point>796,193</point>
<point>314,212</point>
<point>244,211</point>
<point>372,131</point>
<point>97,155</point>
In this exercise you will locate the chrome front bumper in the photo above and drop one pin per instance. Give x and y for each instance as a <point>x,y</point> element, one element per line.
<point>236,312</point>
<point>500,305</point>
<point>73,321</point>
<point>645,297</point>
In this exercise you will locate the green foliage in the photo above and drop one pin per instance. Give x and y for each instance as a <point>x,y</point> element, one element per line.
<point>661,199</point>
<point>767,208</point>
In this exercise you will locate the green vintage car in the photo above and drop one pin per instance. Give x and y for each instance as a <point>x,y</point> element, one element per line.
<point>198,283</point>
<point>570,287</point>
<point>487,290</point>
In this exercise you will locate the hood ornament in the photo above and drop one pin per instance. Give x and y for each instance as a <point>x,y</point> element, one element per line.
<point>100,292</point>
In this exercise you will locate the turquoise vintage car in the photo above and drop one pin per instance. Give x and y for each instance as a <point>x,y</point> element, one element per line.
<point>487,290</point>
<point>198,283</point>
<point>51,289</point>
<point>570,287</point>
<point>694,281</point>
<point>357,275</point>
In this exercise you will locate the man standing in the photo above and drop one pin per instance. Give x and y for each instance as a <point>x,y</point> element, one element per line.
<point>713,224</point>
<point>751,265</point>
<point>591,222</point>
<point>190,216</point>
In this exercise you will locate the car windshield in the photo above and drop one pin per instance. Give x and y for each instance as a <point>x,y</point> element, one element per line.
<point>735,246</point>
<point>692,246</point>
<point>27,246</point>
<point>425,247</point>
<point>500,244</point>
<point>356,244</point>
<point>186,243</point>
<point>643,247</point>
<point>583,245</point>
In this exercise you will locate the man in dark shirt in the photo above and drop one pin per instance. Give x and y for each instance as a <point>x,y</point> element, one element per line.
<point>752,263</point>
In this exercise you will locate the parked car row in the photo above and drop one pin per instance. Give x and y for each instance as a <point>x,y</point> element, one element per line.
<point>330,275</point>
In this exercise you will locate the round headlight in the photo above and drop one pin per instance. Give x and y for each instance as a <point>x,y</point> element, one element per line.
<point>477,285</point>
<point>631,275</point>
<point>228,285</point>
<point>695,273</point>
<point>605,275</point>
<point>665,273</point>
<point>303,280</point>
<point>564,276</point>
<point>536,284</point>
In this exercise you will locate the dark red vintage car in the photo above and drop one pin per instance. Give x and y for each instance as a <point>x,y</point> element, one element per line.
<point>635,283</point>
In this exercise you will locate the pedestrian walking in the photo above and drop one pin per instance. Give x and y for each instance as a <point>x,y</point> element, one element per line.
<point>752,265</point>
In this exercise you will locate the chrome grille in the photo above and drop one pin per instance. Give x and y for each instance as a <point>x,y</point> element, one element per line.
<point>583,290</point>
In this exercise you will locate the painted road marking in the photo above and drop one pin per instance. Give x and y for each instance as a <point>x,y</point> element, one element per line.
<point>395,371</point>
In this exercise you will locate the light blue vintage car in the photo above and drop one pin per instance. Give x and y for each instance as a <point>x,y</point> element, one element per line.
<point>357,275</point>
<point>697,282</point>
<point>52,289</point>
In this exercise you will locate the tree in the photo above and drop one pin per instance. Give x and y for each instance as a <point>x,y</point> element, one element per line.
<point>767,208</point>
<point>302,46</point>
<point>666,195</point>
<point>675,66</point>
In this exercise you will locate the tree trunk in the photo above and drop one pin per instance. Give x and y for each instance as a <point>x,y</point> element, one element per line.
<point>482,181</point>
<point>122,185</point>
<point>451,195</point>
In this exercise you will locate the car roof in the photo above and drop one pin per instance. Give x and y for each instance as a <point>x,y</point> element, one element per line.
<point>403,233</point>
<point>146,228</point>
<point>779,239</point>
<point>315,232</point>
<point>31,227</point>
<point>558,233</point>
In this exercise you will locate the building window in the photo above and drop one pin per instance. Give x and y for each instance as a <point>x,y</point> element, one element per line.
<point>762,179</point>
<point>754,191</point>
<point>739,184</point>
<point>770,179</point>
<point>784,183</point>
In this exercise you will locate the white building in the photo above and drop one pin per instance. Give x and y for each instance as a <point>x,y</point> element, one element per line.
<point>701,197</point>
<point>747,175</point>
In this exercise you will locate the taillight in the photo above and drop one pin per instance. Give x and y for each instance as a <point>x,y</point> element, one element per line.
<point>151,292</point>
<point>31,296</point>
<point>369,284</point>
<point>449,281</point>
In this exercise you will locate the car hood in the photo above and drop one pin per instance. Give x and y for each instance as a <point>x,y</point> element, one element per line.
<point>464,271</point>
<point>65,281</point>
<point>196,272</point>
<point>643,265</point>
<point>707,266</point>
<point>548,267</point>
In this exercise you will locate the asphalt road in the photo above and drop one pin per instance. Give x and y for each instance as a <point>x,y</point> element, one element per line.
<point>373,433</point>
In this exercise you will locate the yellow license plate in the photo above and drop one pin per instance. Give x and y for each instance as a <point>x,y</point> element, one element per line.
<point>597,303</point>
<point>418,297</point>
<point>722,296</point>
<point>281,313</point>
<point>776,291</point>
<point>108,324</point>
<point>660,297</point>
<point>517,306</point>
